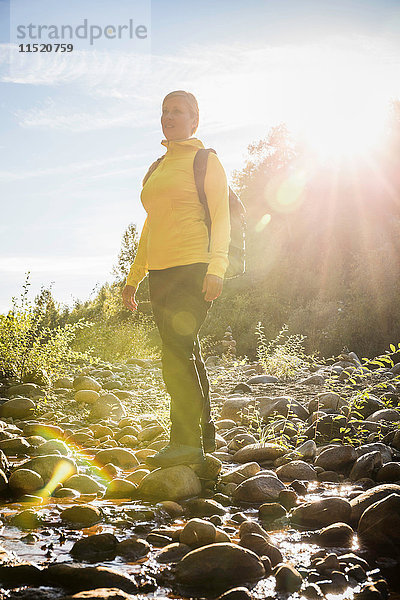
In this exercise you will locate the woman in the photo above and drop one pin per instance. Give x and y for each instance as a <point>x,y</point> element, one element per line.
<point>186,271</point>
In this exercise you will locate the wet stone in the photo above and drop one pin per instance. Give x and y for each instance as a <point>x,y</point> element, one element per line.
<point>288,579</point>
<point>83,515</point>
<point>95,547</point>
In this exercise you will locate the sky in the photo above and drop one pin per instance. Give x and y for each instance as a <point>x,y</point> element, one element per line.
<point>79,130</point>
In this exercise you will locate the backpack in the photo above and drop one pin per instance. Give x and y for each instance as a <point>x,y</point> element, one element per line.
<point>237,212</point>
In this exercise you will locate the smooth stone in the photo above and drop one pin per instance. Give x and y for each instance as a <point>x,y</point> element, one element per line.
<point>83,382</point>
<point>119,457</point>
<point>259,489</point>
<point>15,446</point>
<point>387,414</point>
<point>87,578</point>
<point>379,527</point>
<point>281,405</point>
<point>262,379</point>
<point>24,481</point>
<point>389,473</point>
<point>236,593</point>
<point>65,492</point>
<point>133,548</point>
<point>52,465</point>
<point>197,532</point>
<point>271,511</point>
<point>102,546</point>
<point>297,469</point>
<point>120,488</point>
<point>366,499</point>
<point>172,483</point>
<point>385,451</point>
<point>149,433</point>
<point>172,553</point>
<point>241,473</point>
<point>204,507</point>
<point>336,458</point>
<point>84,515</point>
<point>219,566</point>
<point>22,389</point>
<point>233,408</point>
<point>83,484</point>
<point>17,408</point>
<point>26,519</point>
<point>53,447</point>
<point>86,396</point>
<point>321,513</point>
<point>99,594</point>
<point>366,465</point>
<point>288,579</point>
<point>261,546</point>
<point>259,453</point>
<point>338,535</point>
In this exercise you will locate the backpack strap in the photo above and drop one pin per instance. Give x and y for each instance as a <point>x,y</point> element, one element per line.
<point>152,168</point>
<point>200,168</point>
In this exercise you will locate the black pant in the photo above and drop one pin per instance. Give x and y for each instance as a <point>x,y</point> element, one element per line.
<point>179,311</point>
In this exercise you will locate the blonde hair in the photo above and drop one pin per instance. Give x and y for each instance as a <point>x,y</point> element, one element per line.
<point>190,101</point>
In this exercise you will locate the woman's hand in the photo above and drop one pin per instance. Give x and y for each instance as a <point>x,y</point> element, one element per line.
<point>128,297</point>
<point>212,286</point>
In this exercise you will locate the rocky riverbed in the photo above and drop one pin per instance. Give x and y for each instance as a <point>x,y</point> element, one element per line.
<point>301,497</point>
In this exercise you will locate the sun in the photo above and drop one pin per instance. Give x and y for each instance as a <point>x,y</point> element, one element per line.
<point>339,131</point>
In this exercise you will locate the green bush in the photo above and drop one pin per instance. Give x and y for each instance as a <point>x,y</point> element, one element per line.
<point>112,340</point>
<point>29,347</point>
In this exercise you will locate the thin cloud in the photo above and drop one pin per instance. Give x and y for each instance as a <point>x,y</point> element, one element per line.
<point>46,264</point>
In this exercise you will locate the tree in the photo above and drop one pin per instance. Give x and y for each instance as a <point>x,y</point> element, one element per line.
<point>127,253</point>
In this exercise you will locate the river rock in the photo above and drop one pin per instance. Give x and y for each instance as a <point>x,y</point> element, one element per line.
<point>14,446</point>
<point>197,532</point>
<point>86,396</point>
<point>83,484</point>
<point>24,389</point>
<point>387,414</point>
<point>288,579</point>
<point>17,408</point>
<point>173,483</point>
<point>271,511</point>
<point>53,447</point>
<point>379,527</point>
<point>366,466</point>
<point>281,405</point>
<point>102,546</point>
<point>384,450</point>
<point>204,507</point>
<point>120,488</point>
<point>234,408</point>
<point>99,594</point>
<point>297,469</point>
<point>241,473</point>
<point>259,489</point>
<point>261,546</point>
<point>259,453</point>
<point>390,472</point>
<point>366,499</point>
<point>133,548</point>
<point>338,535</point>
<point>262,379</point>
<point>83,515</point>
<point>320,513</point>
<point>330,400</point>
<point>25,481</point>
<point>52,465</point>
<point>172,553</point>
<point>336,458</point>
<point>218,567</point>
<point>119,457</point>
<point>79,578</point>
<point>83,382</point>
<point>26,519</point>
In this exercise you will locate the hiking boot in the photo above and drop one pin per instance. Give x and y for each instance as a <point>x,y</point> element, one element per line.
<point>208,433</point>
<point>175,454</point>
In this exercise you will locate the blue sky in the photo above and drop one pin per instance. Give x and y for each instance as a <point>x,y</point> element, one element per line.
<point>79,133</point>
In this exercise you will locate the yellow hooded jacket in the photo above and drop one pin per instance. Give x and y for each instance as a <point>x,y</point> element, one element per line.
<point>175,232</point>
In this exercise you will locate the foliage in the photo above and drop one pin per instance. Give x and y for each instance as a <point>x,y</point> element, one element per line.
<point>29,346</point>
<point>283,356</point>
<point>118,341</point>
<point>127,253</point>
